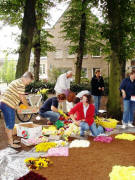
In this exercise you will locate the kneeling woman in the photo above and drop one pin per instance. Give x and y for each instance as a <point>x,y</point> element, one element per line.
<point>85,111</point>
<point>50,108</point>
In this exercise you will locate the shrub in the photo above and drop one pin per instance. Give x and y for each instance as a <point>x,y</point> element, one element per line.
<point>76,88</point>
<point>36,86</point>
<point>79,87</point>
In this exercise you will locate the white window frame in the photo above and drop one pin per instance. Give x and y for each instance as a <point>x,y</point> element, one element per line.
<point>43,69</point>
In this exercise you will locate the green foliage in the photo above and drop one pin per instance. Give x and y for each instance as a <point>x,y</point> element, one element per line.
<point>46,46</point>
<point>119,30</point>
<point>11,13</point>
<point>72,23</point>
<point>7,73</point>
<point>124,27</point>
<point>54,73</point>
<point>38,85</point>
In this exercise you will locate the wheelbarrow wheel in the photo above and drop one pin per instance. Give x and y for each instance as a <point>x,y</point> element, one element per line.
<point>24,117</point>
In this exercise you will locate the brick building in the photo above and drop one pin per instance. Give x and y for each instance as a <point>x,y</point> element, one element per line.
<point>63,60</point>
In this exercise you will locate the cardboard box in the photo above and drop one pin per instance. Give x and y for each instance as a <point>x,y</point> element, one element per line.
<point>29,130</point>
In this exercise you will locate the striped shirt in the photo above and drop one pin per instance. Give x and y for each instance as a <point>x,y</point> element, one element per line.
<point>11,96</point>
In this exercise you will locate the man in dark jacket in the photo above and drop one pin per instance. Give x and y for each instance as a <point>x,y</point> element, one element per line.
<point>97,87</point>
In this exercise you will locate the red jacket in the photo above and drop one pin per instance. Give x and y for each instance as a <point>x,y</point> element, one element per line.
<point>78,110</point>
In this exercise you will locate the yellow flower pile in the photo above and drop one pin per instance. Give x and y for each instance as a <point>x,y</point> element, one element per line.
<point>42,91</point>
<point>37,163</point>
<point>51,130</point>
<point>125,136</point>
<point>22,106</point>
<point>122,173</point>
<point>44,147</point>
<point>73,129</point>
<point>106,123</point>
<point>62,113</point>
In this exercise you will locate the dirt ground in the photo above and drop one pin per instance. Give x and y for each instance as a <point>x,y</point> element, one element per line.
<point>93,163</point>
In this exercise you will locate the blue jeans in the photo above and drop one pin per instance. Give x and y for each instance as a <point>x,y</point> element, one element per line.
<point>53,116</point>
<point>128,113</point>
<point>9,115</point>
<point>95,130</point>
<point>97,100</point>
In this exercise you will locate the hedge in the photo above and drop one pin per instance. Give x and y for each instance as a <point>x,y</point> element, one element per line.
<point>36,86</point>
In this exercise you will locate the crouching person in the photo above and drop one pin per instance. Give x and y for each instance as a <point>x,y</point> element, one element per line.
<point>50,108</point>
<point>85,112</point>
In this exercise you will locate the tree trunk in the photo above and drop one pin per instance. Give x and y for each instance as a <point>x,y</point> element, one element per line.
<point>81,44</point>
<point>123,69</point>
<point>113,106</point>
<point>28,27</point>
<point>37,52</point>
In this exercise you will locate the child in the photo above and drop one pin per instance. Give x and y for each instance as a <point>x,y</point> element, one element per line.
<point>85,112</point>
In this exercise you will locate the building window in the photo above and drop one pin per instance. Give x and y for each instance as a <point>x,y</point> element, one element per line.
<point>42,69</point>
<point>84,73</point>
<point>94,70</point>
<point>59,54</point>
<point>96,52</point>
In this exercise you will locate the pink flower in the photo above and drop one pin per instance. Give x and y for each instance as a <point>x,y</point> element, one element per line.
<point>103,139</point>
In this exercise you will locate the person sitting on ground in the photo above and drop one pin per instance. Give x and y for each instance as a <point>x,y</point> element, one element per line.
<point>50,108</point>
<point>11,98</point>
<point>85,112</point>
<point>79,96</point>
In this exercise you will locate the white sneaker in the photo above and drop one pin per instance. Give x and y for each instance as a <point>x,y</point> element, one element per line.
<point>123,126</point>
<point>130,125</point>
<point>102,134</point>
<point>38,118</point>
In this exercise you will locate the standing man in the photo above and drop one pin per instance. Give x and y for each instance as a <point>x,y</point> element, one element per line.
<point>97,86</point>
<point>63,86</point>
<point>127,88</point>
<point>11,98</point>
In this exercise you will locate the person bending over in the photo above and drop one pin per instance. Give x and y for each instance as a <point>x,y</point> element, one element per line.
<point>50,108</point>
<point>14,94</point>
<point>85,112</point>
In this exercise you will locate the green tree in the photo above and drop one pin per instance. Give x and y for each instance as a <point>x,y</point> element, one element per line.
<point>81,28</point>
<point>31,17</point>
<point>8,70</point>
<point>119,30</point>
<point>40,43</point>
<point>28,26</point>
